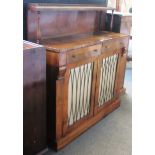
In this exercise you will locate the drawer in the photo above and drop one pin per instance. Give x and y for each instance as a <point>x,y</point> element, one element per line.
<point>114,45</point>
<point>84,53</point>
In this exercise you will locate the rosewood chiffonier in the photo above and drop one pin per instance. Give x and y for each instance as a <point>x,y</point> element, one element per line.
<point>85,66</point>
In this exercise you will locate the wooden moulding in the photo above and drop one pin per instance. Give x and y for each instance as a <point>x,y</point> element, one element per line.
<point>70,43</point>
<point>67,7</point>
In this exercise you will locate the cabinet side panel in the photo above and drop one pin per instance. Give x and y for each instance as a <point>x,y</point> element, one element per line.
<point>34,101</point>
<point>51,102</point>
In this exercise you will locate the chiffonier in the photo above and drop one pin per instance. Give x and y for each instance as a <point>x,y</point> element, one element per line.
<point>85,66</point>
<point>34,98</point>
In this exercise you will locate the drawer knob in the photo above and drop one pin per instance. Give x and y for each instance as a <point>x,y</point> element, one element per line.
<point>124,50</point>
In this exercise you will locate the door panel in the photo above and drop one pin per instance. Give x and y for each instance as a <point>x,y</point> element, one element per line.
<point>108,74</point>
<point>107,79</point>
<point>79,91</point>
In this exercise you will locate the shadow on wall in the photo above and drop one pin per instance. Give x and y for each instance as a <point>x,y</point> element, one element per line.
<point>103,2</point>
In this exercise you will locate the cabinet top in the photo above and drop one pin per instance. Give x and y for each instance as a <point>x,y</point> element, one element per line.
<point>67,43</point>
<point>66,7</point>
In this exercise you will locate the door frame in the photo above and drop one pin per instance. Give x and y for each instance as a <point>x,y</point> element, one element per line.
<point>104,55</point>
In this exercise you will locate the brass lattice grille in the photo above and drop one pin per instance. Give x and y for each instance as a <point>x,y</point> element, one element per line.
<point>79,92</point>
<point>107,79</point>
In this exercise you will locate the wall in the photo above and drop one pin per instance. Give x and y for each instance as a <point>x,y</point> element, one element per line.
<point>103,2</point>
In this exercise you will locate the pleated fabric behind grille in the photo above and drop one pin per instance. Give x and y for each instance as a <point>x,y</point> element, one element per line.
<point>79,91</point>
<point>107,79</point>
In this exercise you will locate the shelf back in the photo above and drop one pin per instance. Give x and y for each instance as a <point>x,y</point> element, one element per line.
<point>45,24</point>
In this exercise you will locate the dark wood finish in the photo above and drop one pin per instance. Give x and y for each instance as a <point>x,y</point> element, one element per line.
<point>34,98</point>
<point>68,53</point>
<point>26,2</point>
<point>48,20</point>
<point>74,22</point>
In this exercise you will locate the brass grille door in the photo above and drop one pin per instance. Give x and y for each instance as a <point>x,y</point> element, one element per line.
<point>107,79</point>
<point>79,92</point>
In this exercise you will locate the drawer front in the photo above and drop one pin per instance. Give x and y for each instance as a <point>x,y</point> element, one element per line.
<point>83,53</point>
<point>114,45</point>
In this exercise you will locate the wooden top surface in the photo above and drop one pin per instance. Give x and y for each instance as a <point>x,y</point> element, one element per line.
<point>63,44</point>
<point>59,7</point>
<point>29,45</point>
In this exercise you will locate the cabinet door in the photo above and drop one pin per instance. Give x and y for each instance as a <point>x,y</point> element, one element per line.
<point>79,90</point>
<point>109,72</point>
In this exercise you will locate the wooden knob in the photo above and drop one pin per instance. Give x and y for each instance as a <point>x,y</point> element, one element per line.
<point>124,50</point>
